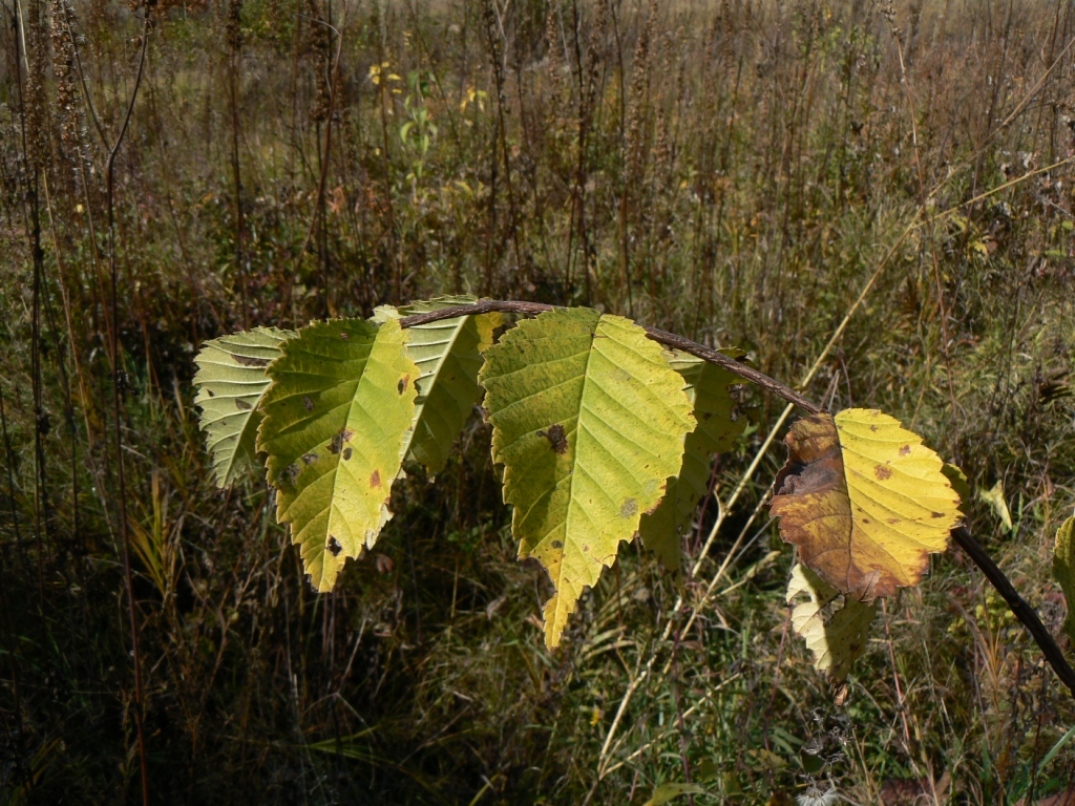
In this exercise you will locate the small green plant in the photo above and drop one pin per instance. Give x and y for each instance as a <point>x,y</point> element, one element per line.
<point>418,131</point>
<point>602,434</point>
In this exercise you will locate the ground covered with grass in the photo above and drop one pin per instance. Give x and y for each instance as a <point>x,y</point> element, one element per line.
<point>873,200</point>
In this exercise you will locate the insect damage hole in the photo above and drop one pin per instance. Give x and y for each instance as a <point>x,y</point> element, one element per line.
<point>334,546</point>
<point>250,361</point>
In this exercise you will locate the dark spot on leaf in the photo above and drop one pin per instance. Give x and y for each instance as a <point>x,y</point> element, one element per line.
<point>242,405</point>
<point>375,479</point>
<point>288,475</point>
<point>893,521</point>
<point>904,450</point>
<point>585,547</point>
<point>210,392</point>
<point>340,438</point>
<point>707,415</point>
<point>334,546</point>
<point>309,458</point>
<point>347,453</point>
<point>558,544</point>
<point>401,387</point>
<point>247,361</point>
<point>344,335</point>
<point>307,403</point>
<point>873,427</point>
<point>936,514</point>
<point>865,521</point>
<point>557,437</point>
<point>883,472</point>
<point>628,508</point>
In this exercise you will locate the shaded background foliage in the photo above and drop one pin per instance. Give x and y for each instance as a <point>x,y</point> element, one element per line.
<point>736,172</point>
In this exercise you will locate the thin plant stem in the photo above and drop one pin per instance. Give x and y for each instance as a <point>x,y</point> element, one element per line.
<point>117,411</point>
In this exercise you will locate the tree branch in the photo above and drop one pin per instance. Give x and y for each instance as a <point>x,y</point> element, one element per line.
<point>659,336</point>
<point>1019,607</point>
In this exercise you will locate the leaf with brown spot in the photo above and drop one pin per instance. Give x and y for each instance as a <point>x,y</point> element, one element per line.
<point>358,412</point>
<point>864,513</point>
<point>557,438</point>
<point>601,395</point>
<point>448,354</point>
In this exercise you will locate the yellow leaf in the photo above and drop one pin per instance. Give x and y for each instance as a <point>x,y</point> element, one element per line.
<point>995,499</point>
<point>864,500</point>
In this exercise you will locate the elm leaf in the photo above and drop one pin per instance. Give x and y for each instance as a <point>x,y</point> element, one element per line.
<point>864,501</point>
<point>232,377</point>
<point>336,418</point>
<point>834,626</point>
<point>449,356</point>
<point>588,420</point>
<point>708,387</point>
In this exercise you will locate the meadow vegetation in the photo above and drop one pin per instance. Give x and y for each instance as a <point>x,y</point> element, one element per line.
<point>871,199</point>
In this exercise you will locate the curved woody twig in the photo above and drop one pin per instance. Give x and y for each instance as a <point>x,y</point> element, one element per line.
<point>1019,607</point>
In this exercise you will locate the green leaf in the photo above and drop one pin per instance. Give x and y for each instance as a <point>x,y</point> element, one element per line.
<point>958,479</point>
<point>232,379</point>
<point>1064,570</point>
<point>716,431</point>
<point>449,355</point>
<point>336,416</point>
<point>835,626</point>
<point>588,420</point>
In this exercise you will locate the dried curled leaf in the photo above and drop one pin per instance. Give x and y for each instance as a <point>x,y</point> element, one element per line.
<point>994,497</point>
<point>864,500</point>
<point>834,626</point>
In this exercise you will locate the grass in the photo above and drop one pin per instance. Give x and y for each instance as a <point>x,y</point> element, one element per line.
<point>735,172</point>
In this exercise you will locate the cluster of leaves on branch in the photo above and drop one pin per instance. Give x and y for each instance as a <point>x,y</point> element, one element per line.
<point>603,435</point>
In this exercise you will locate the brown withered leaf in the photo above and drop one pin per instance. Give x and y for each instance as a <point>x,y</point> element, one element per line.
<point>864,500</point>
